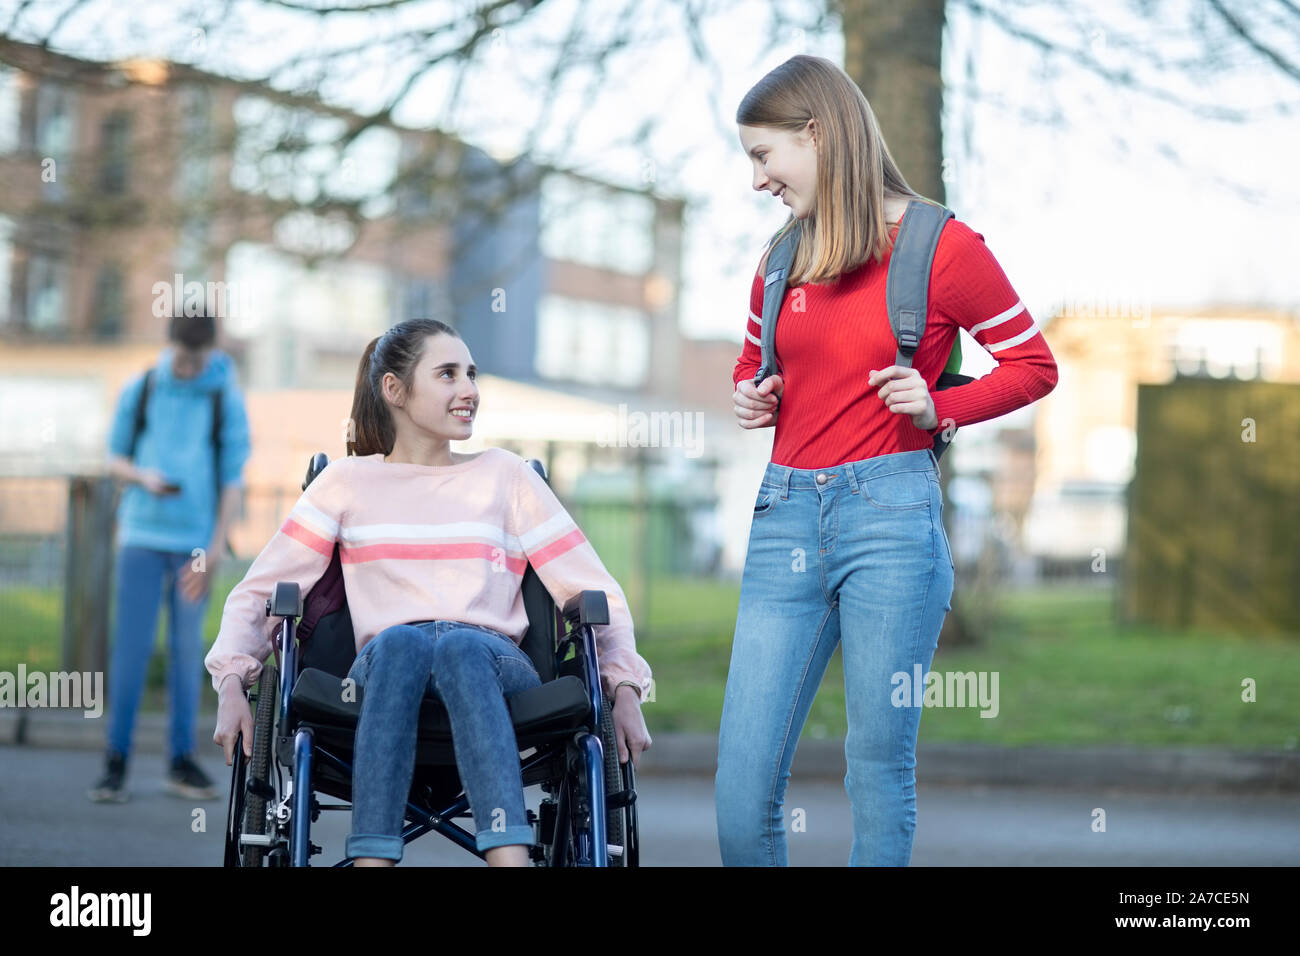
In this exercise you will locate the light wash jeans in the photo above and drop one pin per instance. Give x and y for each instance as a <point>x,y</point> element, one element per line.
<point>472,670</point>
<point>145,578</point>
<point>854,554</point>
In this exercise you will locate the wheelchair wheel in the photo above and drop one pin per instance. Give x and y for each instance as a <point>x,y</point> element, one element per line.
<point>258,786</point>
<point>560,817</point>
<point>615,824</point>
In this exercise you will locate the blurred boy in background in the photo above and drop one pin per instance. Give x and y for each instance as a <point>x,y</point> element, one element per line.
<point>181,454</point>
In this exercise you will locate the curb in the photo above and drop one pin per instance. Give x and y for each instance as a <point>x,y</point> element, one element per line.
<point>1180,770</point>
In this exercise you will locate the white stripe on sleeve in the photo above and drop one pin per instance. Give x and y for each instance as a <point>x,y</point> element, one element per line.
<point>998,319</point>
<point>1028,333</point>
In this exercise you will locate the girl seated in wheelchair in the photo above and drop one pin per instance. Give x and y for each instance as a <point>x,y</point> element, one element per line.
<point>441,539</point>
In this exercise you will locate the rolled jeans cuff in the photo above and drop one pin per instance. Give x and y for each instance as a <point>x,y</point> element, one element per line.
<point>377,845</point>
<point>490,839</point>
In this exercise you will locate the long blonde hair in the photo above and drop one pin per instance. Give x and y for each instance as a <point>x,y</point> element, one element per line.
<point>855,171</point>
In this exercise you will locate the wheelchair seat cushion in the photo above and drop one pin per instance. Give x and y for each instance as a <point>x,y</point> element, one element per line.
<point>319,696</point>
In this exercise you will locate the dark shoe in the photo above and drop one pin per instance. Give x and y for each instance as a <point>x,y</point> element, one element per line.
<point>111,787</point>
<point>185,779</point>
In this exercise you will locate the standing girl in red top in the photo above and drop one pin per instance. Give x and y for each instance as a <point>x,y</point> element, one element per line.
<point>847,543</point>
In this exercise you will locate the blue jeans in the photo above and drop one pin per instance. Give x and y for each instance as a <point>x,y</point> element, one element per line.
<point>856,553</point>
<point>472,670</point>
<point>144,579</point>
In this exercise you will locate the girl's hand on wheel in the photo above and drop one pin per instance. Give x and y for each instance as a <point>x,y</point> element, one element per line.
<point>234,717</point>
<point>629,726</point>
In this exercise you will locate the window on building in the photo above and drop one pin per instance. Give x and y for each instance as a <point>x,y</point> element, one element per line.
<point>46,299</point>
<point>11,111</point>
<point>193,168</point>
<point>421,298</point>
<point>413,188</point>
<point>281,151</point>
<point>293,153</point>
<point>596,225</point>
<point>114,152</point>
<point>53,138</point>
<point>191,254</point>
<point>108,308</point>
<point>6,270</point>
<point>592,343</point>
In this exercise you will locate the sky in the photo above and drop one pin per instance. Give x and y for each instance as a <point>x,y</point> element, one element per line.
<point>1130,203</point>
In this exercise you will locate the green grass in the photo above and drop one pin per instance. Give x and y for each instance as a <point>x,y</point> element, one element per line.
<point>31,628</point>
<point>1068,675</point>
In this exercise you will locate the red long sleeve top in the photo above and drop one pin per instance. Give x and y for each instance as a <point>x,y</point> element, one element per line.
<point>830,415</point>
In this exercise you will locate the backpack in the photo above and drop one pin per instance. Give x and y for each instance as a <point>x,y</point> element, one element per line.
<point>907,292</point>
<point>138,430</point>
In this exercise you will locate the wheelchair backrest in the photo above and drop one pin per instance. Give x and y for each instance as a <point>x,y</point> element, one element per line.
<point>327,641</point>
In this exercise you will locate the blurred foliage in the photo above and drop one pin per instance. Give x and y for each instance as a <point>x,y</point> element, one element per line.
<point>1215,507</point>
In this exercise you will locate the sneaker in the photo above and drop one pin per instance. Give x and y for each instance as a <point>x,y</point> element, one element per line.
<point>111,787</point>
<point>185,779</point>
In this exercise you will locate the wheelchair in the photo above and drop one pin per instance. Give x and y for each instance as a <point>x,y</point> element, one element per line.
<point>305,724</point>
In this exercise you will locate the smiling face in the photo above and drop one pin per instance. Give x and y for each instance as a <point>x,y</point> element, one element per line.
<point>443,398</point>
<point>785,164</point>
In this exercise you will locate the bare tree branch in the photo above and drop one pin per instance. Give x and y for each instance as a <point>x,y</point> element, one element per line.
<point>1267,52</point>
<point>326,10</point>
<point>1081,56</point>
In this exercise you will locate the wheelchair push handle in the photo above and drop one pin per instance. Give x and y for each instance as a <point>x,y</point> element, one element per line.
<point>315,467</point>
<point>587,607</point>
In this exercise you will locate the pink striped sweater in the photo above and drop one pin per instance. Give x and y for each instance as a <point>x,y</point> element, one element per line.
<point>427,543</point>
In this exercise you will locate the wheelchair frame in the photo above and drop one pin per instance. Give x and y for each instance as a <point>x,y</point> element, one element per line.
<point>577,766</point>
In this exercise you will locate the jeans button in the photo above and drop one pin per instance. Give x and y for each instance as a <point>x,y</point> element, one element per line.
<point>822,478</point>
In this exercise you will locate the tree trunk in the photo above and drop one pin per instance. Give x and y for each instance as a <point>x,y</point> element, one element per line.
<point>893,52</point>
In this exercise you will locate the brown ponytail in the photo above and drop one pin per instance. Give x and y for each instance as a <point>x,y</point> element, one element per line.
<point>398,351</point>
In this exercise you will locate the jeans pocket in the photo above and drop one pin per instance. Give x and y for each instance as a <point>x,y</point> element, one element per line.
<point>764,502</point>
<point>900,491</point>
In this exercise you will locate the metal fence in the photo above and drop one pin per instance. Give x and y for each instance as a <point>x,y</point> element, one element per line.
<point>57,558</point>
<point>33,561</point>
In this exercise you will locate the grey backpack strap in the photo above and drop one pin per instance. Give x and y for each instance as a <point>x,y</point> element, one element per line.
<point>907,290</point>
<point>778,269</point>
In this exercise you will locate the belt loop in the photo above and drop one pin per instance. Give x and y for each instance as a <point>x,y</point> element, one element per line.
<point>785,484</point>
<point>850,469</point>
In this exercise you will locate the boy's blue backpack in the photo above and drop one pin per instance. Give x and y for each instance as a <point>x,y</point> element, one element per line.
<point>907,293</point>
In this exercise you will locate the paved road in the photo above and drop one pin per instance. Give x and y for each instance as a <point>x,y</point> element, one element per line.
<point>45,819</point>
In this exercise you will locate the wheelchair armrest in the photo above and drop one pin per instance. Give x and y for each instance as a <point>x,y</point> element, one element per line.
<point>587,607</point>
<point>285,600</point>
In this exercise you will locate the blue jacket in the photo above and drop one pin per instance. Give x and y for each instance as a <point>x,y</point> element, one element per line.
<point>177,440</point>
